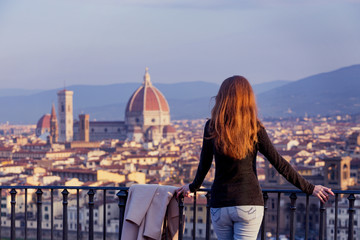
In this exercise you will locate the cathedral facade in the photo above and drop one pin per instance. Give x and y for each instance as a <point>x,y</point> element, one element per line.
<point>147,119</point>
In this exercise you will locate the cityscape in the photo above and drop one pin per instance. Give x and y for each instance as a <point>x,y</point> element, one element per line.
<point>150,148</point>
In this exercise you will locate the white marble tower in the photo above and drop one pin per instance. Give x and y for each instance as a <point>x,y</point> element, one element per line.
<point>66,118</point>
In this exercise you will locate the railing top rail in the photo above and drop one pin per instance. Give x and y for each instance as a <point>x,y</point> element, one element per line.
<point>127,188</point>
<point>292,191</point>
<point>64,187</point>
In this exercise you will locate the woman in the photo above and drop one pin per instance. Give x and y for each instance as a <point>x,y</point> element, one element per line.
<point>233,136</point>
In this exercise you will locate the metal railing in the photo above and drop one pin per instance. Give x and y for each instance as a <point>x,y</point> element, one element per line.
<point>122,197</point>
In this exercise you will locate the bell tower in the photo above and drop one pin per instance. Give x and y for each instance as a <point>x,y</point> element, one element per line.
<point>337,172</point>
<point>66,118</point>
<point>54,132</point>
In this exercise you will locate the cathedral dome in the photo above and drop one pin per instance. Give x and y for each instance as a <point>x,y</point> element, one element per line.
<point>43,125</point>
<point>147,98</point>
<point>44,122</point>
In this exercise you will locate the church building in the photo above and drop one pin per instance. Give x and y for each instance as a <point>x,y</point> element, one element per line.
<point>147,119</point>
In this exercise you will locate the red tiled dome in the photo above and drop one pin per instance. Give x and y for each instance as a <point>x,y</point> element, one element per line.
<point>44,122</point>
<point>169,129</point>
<point>147,98</point>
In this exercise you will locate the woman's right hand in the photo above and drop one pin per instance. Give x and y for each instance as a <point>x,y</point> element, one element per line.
<point>185,190</point>
<point>322,193</point>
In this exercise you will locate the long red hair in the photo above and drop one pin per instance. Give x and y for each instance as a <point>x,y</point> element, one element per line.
<point>234,123</point>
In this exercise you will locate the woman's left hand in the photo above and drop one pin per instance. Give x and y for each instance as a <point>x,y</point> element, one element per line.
<point>185,190</point>
<point>322,193</point>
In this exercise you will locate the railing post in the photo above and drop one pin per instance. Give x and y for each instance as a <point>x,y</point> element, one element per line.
<point>322,221</point>
<point>208,197</point>
<point>65,194</point>
<point>266,197</point>
<point>39,193</point>
<point>351,199</point>
<point>194,217</point>
<point>78,226</point>
<point>278,215</point>
<point>307,217</point>
<point>0,209</point>
<point>91,194</point>
<point>336,214</point>
<point>13,202</point>
<point>293,198</point>
<point>52,213</point>
<point>181,219</point>
<point>104,214</point>
<point>122,195</point>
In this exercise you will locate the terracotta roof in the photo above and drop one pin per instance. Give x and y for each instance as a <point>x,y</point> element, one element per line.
<point>147,98</point>
<point>169,129</point>
<point>78,170</point>
<point>44,121</point>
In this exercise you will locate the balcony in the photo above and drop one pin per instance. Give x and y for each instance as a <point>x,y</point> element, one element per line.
<point>97,212</point>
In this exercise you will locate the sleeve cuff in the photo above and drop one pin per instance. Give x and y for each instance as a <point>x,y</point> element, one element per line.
<point>312,186</point>
<point>192,187</point>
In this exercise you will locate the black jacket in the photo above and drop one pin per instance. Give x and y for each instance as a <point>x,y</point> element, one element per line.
<point>236,180</point>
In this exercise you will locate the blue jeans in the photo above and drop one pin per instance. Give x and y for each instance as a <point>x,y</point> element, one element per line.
<point>238,222</point>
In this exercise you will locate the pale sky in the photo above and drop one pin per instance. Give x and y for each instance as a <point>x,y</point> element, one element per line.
<point>44,44</point>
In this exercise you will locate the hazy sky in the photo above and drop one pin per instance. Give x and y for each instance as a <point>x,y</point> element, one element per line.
<point>46,43</point>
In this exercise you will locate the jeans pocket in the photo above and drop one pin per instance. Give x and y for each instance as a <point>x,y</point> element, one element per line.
<point>215,214</point>
<point>244,213</point>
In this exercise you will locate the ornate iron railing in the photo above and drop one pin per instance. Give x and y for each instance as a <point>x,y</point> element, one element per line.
<point>122,197</point>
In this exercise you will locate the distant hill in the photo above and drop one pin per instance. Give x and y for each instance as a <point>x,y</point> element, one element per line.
<point>264,87</point>
<point>107,102</point>
<point>18,92</point>
<point>330,93</point>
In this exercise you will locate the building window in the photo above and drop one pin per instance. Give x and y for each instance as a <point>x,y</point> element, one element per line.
<point>200,209</point>
<point>105,130</point>
<point>137,120</point>
<point>62,108</point>
<point>119,130</point>
<point>92,130</point>
<point>200,220</point>
<point>153,120</point>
